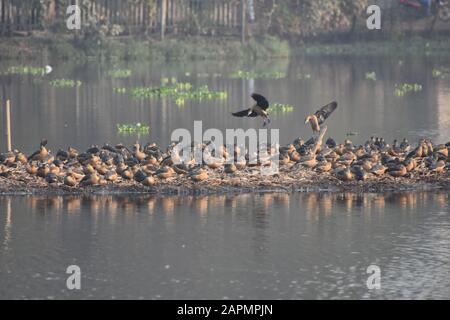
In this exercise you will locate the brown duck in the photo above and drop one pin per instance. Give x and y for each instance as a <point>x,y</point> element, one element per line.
<point>318,118</point>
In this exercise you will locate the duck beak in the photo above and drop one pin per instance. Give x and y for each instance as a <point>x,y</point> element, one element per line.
<point>306,120</point>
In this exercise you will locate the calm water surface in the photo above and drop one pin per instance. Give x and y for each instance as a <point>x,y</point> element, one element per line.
<point>88,115</point>
<point>264,246</point>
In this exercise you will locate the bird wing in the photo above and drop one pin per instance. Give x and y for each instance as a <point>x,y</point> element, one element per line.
<point>34,155</point>
<point>260,101</point>
<point>325,112</point>
<point>244,113</point>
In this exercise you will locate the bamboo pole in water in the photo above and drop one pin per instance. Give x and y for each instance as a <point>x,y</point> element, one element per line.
<point>163,18</point>
<point>243,20</point>
<point>8,125</point>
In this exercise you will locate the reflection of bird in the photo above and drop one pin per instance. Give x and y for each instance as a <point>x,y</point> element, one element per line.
<point>259,109</point>
<point>320,116</point>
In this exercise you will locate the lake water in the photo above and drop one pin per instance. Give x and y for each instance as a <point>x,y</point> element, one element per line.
<point>262,246</point>
<point>89,114</point>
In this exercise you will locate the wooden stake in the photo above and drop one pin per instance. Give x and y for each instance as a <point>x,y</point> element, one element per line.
<point>243,20</point>
<point>8,124</point>
<point>163,18</point>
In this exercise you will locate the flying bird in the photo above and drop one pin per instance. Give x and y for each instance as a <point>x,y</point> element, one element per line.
<point>259,109</point>
<point>320,116</point>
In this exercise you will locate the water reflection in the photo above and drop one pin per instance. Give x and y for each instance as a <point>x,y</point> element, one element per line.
<point>256,246</point>
<point>313,204</point>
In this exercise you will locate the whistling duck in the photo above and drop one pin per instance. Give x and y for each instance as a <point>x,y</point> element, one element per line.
<point>121,167</point>
<point>345,175</point>
<point>213,163</point>
<point>308,161</point>
<point>259,109</point>
<point>199,175</point>
<point>111,176</point>
<point>51,178</point>
<point>438,167</point>
<point>90,180</point>
<point>101,168</point>
<point>4,171</point>
<point>331,143</point>
<point>148,181</point>
<point>441,151</point>
<point>359,173</point>
<point>43,171</point>
<point>410,164</point>
<point>241,163</point>
<point>127,174</point>
<point>230,168</point>
<point>378,170</point>
<point>294,156</point>
<point>165,172</point>
<point>320,116</point>
<point>31,168</point>
<point>41,153</point>
<point>138,153</point>
<point>88,169</point>
<point>284,158</point>
<point>397,171</point>
<point>324,166</point>
<point>70,180</point>
<point>20,157</point>
<point>180,168</point>
<point>139,176</point>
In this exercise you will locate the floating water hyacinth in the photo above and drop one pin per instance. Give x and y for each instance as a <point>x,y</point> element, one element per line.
<point>281,108</point>
<point>240,74</point>
<point>304,76</point>
<point>120,73</point>
<point>371,76</point>
<point>440,73</point>
<point>120,90</point>
<point>180,91</point>
<point>165,81</point>
<point>133,128</point>
<point>26,70</point>
<point>65,83</point>
<point>402,89</point>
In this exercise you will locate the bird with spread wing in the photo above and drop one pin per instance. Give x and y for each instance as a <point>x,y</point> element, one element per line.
<point>320,116</point>
<point>258,109</point>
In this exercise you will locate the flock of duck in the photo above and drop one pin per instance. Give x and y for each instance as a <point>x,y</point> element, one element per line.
<point>150,165</point>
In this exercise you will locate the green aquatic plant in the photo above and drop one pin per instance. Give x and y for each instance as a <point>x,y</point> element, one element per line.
<point>304,76</point>
<point>120,73</point>
<point>132,128</point>
<point>404,88</point>
<point>436,73</point>
<point>440,73</point>
<point>180,91</point>
<point>281,108</point>
<point>26,70</point>
<point>65,83</point>
<point>240,74</point>
<point>371,76</point>
<point>165,81</point>
<point>120,90</point>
